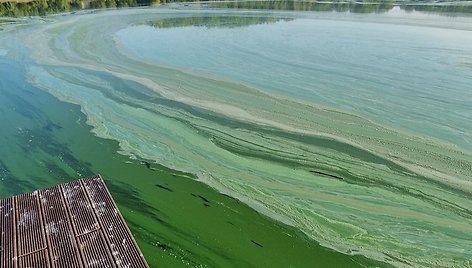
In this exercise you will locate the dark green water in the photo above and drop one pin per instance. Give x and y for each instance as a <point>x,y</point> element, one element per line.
<point>176,220</point>
<point>304,116</point>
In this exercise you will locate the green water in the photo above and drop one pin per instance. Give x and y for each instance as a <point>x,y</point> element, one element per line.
<point>340,127</point>
<point>176,220</point>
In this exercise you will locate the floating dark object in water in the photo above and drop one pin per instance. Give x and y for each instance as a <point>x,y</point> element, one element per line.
<point>147,164</point>
<point>164,188</point>
<point>326,174</point>
<point>164,247</point>
<point>202,198</point>
<point>228,196</point>
<point>258,244</point>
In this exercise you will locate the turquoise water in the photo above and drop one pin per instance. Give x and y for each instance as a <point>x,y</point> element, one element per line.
<point>352,128</point>
<point>45,142</point>
<point>407,75</point>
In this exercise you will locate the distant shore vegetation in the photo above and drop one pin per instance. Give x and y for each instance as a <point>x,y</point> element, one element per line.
<point>21,8</point>
<point>45,7</point>
<point>365,6</point>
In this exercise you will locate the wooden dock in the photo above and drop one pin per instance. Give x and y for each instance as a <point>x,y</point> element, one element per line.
<point>76,224</point>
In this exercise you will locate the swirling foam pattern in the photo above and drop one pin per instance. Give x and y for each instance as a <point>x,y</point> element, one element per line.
<point>348,182</point>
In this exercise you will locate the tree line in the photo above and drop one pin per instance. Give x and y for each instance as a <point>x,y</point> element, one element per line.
<point>365,6</point>
<point>355,7</point>
<point>45,7</point>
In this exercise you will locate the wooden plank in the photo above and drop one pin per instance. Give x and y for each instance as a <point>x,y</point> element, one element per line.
<point>81,212</point>
<point>36,259</point>
<point>7,235</point>
<point>76,224</point>
<point>30,230</point>
<point>94,249</point>
<point>61,238</point>
<point>123,246</point>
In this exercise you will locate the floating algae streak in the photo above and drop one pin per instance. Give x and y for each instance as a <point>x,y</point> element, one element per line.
<point>276,112</point>
<point>45,141</point>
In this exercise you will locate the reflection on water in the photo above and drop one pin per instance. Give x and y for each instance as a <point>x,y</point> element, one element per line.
<point>308,6</point>
<point>215,21</point>
<point>449,10</point>
<point>4,21</point>
<point>353,7</point>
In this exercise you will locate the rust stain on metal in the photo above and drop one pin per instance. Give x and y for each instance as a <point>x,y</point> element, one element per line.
<point>76,224</point>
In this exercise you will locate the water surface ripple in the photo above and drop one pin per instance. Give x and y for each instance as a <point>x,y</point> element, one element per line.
<point>354,128</point>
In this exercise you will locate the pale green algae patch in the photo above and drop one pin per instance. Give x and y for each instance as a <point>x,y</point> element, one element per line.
<point>46,142</point>
<point>403,199</point>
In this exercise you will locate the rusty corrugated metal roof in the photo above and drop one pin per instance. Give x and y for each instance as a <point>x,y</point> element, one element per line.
<point>76,224</point>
